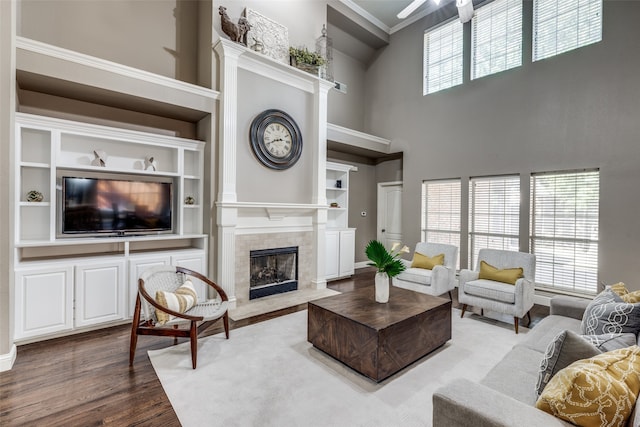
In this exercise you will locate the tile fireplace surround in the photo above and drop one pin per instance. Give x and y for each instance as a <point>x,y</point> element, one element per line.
<point>250,242</point>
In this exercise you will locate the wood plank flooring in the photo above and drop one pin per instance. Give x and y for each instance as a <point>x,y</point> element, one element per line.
<point>85,379</point>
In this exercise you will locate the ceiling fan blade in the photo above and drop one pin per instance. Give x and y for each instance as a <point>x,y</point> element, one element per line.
<point>411,8</point>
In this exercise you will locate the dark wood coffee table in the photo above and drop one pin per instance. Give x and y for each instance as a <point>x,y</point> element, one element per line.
<point>377,339</point>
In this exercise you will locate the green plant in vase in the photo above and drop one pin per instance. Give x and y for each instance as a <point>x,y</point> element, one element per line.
<point>305,60</point>
<point>388,264</point>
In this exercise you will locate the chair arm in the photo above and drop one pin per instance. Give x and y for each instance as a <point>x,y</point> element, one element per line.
<point>569,306</point>
<point>221,292</point>
<point>467,276</point>
<point>442,279</point>
<point>463,403</point>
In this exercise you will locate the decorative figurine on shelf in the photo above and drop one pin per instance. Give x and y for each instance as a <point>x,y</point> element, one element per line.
<point>34,196</point>
<point>101,158</point>
<point>334,205</point>
<point>150,163</point>
<point>236,32</point>
<point>257,45</point>
<point>339,183</point>
<point>189,200</point>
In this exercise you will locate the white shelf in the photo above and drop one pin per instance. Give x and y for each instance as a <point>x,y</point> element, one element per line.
<point>35,165</point>
<point>35,204</point>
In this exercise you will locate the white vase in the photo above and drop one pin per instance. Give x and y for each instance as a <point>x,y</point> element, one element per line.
<point>382,287</point>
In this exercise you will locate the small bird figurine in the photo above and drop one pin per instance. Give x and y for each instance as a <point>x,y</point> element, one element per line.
<point>150,163</point>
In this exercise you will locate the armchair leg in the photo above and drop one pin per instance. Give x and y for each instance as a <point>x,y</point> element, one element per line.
<point>464,308</point>
<point>528,318</point>
<point>194,344</point>
<point>515,323</point>
<point>134,331</point>
<point>450,296</point>
<point>225,319</point>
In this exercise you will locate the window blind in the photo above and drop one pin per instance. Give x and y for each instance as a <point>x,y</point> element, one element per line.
<point>441,212</point>
<point>496,38</point>
<point>494,214</point>
<point>564,230</point>
<point>563,25</point>
<point>442,66</point>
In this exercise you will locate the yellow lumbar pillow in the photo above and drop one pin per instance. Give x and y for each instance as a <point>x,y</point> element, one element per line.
<point>506,275</point>
<point>182,300</point>
<point>423,261</point>
<point>621,289</point>
<point>598,391</point>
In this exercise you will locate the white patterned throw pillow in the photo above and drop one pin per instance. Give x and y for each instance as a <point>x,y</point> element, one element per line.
<point>609,314</point>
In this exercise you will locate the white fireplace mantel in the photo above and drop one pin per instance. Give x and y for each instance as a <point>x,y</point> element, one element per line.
<point>235,217</point>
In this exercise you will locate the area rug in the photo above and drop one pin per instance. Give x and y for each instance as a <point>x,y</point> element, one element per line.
<point>267,374</point>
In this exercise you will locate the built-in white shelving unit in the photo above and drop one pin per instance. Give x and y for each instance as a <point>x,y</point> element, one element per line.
<point>340,239</point>
<point>64,284</point>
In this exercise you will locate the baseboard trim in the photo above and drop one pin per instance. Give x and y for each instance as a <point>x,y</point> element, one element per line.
<point>7,360</point>
<point>362,264</point>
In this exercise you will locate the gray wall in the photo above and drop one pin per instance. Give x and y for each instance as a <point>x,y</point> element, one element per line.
<point>255,182</point>
<point>576,110</point>
<point>159,36</point>
<point>347,109</point>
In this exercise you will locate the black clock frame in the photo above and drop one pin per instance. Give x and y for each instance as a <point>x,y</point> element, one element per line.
<point>256,137</point>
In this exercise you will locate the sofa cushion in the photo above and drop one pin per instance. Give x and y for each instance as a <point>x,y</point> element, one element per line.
<point>490,289</point>
<point>505,275</point>
<point>417,275</point>
<point>598,391</point>
<point>566,348</point>
<point>539,337</point>
<point>426,262</point>
<point>608,314</point>
<point>516,375</point>
<point>609,342</point>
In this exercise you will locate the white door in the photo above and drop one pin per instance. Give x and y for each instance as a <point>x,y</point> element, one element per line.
<point>332,254</point>
<point>390,213</point>
<point>137,264</point>
<point>44,301</point>
<point>347,252</point>
<point>194,261</point>
<point>99,292</point>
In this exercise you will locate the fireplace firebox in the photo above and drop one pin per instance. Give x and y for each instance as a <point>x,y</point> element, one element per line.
<point>273,271</point>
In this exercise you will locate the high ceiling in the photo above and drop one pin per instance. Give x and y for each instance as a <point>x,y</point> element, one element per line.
<point>386,10</point>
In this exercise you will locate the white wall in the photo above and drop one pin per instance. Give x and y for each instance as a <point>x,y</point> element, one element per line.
<point>577,110</point>
<point>347,109</point>
<point>7,108</point>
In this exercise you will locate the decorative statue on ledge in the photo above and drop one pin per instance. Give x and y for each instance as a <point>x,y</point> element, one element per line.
<point>236,32</point>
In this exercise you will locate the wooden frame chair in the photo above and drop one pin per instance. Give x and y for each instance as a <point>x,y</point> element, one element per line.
<point>200,317</point>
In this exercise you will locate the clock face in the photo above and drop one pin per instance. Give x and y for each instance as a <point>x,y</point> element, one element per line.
<point>278,140</point>
<point>275,139</point>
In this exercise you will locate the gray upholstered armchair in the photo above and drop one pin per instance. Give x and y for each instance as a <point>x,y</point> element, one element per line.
<point>515,300</point>
<point>437,281</point>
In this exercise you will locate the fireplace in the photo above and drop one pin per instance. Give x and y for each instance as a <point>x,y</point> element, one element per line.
<point>273,271</point>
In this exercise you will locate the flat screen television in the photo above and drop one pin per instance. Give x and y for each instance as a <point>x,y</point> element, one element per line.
<point>94,205</point>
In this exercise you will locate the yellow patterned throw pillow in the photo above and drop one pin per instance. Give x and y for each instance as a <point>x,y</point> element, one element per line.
<point>506,275</point>
<point>423,261</point>
<point>621,289</point>
<point>600,391</point>
<point>180,301</point>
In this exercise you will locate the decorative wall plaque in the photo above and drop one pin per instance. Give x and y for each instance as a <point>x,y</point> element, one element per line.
<point>273,36</point>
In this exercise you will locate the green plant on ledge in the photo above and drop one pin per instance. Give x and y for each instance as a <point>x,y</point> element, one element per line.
<point>386,261</point>
<point>303,56</point>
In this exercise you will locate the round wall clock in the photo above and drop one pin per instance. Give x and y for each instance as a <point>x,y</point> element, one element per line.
<point>275,139</point>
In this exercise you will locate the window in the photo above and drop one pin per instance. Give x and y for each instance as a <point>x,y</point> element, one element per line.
<point>563,25</point>
<point>494,214</point>
<point>441,212</point>
<point>564,229</point>
<point>442,57</point>
<point>496,38</point>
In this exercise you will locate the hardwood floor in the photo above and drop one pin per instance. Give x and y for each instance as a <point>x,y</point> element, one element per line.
<point>85,379</point>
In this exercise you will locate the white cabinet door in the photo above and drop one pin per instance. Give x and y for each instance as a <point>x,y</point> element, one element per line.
<point>137,264</point>
<point>99,292</point>
<point>347,252</point>
<point>332,253</point>
<point>195,261</point>
<point>44,301</point>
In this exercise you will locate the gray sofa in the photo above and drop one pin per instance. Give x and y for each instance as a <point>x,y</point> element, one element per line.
<point>506,396</point>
